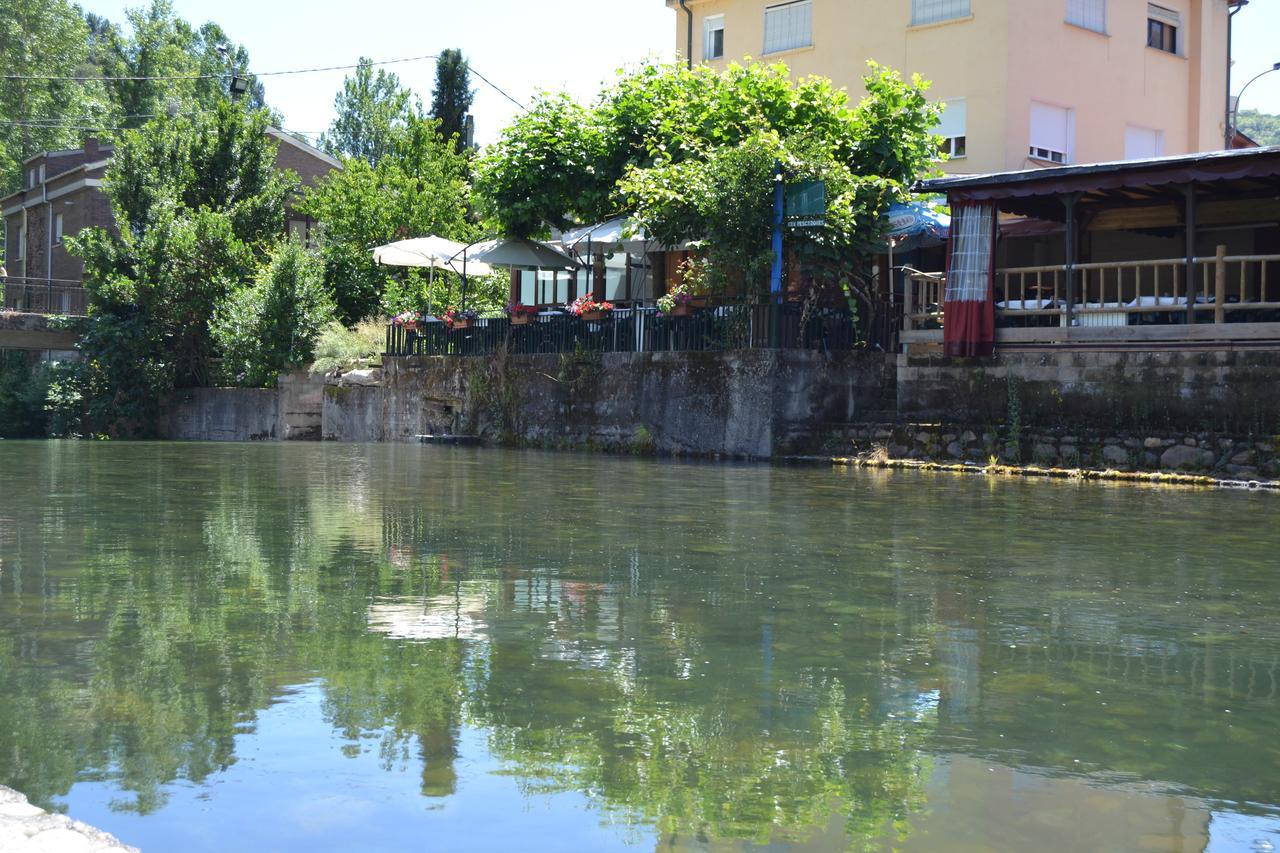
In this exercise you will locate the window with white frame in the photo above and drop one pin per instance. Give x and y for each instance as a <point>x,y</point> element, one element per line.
<point>1142,143</point>
<point>951,127</point>
<point>21,254</point>
<point>1090,14</point>
<point>935,11</point>
<point>1163,26</point>
<point>57,228</point>
<point>713,37</point>
<point>788,26</point>
<point>1052,133</point>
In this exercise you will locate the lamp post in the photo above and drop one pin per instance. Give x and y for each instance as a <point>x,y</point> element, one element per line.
<point>1235,113</point>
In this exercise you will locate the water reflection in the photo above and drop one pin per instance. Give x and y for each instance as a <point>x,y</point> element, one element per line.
<point>704,655</point>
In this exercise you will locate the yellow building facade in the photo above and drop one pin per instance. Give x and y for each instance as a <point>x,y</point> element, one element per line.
<point>1026,83</point>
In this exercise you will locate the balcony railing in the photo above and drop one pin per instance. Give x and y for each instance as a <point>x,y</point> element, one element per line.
<point>1229,289</point>
<point>44,296</point>
<point>635,330</point>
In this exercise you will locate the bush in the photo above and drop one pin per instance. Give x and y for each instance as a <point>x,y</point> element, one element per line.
<point>22,393</point>
<point>274,323</point>
<point>340,348</point>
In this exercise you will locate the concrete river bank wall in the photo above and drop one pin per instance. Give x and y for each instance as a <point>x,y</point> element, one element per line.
<point>1126,410</point>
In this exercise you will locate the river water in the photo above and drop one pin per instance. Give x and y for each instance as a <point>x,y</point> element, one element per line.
<point>312,647</point>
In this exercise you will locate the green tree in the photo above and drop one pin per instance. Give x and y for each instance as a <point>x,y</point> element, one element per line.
<point>691,154</point>
<point>198,207</point>
<point>43,38</point>
<point>161,44</point>
<point>371,109</point>
<point>451,101</point>
<point>273,324</point>
<point>1261,127</point>
<point>418,187</point>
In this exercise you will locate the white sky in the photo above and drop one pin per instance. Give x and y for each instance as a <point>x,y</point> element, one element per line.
<point>521,45</point>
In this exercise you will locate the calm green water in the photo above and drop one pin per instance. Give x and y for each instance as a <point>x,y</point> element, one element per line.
<point>302,647</point>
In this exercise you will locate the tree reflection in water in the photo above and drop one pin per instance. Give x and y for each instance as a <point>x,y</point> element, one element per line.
<point>764,653</point>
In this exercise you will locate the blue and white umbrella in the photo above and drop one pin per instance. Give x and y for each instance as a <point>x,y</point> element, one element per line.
<point>915,226</point>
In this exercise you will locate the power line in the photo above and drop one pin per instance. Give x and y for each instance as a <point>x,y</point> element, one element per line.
<point>141,78</point>
<point>496,87</point>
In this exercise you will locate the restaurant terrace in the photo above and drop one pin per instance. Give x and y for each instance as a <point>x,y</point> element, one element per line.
<point>1173,252</point>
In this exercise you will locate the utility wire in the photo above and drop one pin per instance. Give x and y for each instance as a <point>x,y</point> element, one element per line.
<point>113,79</point>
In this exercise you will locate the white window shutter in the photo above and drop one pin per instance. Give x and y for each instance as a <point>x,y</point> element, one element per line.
<point>954,118</point>
<point>1051,128</point>
<point>1141,143</point>
<point>788,26</point>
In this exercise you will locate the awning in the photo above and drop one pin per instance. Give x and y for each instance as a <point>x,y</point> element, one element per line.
<point>529,254</point>
<point>622,233</point>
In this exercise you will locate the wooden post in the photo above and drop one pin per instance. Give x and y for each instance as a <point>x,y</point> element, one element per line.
<point>1069,200</point>
<point>908,299</point>
<point>1190,267</point>
<point>1220,286</point>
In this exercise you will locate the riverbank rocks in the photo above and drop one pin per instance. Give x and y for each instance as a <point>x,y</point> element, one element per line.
<point>1184,457</point>
<point>1239,457</point>
<point>25,828</point>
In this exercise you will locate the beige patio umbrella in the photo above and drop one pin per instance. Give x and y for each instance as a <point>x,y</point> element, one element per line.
<point>431,252</point>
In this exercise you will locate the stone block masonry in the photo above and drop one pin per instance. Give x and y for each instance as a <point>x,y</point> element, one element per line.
<point>1233,457</point>
<point>750,404</point>
<point>1224,391</point>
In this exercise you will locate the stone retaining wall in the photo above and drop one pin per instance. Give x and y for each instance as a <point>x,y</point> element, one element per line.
<point>1238,457</point>
<point>290,412</point>
<point>752,404</point>
<point>1228,391</point>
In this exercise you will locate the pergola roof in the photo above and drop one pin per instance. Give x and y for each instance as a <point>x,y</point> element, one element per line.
<point>1240,174</point>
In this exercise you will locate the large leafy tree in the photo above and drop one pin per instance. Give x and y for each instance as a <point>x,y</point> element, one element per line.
<point>272,324</point>
<point>43,39</point>
<point>372,109</point>
<point>198,207</point>
<point>194,64</point>
<point>451,101</point>
<point>692,156</point>
<point>417,187</point>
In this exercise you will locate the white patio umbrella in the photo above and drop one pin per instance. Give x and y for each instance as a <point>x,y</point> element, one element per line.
<point>431,252</point>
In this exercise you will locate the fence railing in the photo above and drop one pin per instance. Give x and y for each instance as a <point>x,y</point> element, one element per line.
<point>634,330</point>
<point>44,296</point>
<point>1229,288</point>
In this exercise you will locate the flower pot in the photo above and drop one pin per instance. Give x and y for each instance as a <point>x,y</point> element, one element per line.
<point>462,324</point>
<point>593,316</point>
<point>522,319</point>
<point>684,309</point>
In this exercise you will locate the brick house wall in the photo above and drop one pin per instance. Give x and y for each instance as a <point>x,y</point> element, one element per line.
<point>72,188</point>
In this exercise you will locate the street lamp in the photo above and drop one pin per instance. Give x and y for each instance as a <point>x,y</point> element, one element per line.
<point>1235,113</point>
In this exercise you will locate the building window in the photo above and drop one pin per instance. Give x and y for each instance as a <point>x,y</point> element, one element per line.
<point>1162,28</point>
<point>57,228</point>
<point>713,37</point>
<point>951,127</point>
<point>1090,14</point>
<point>1142,143</point>
<point>1051,133</point>
<point>22,243</point>
<point>788,26</point>
<point>933,11</point>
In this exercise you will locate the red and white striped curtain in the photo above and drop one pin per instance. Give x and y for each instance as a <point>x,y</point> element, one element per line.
<point>969,313</point>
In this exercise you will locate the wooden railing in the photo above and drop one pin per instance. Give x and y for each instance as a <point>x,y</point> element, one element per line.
<point>1231,288</point>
